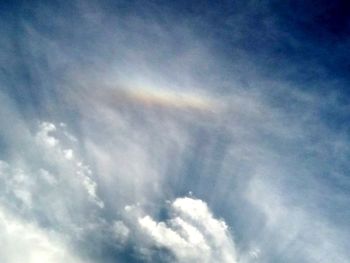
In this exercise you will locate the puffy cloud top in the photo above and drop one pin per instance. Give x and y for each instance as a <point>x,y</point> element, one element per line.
<point>193,234</point>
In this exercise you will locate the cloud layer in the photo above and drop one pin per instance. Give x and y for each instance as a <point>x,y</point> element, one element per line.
<point>232,112</point>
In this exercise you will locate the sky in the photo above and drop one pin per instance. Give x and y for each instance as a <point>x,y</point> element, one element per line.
<point>174,131</point>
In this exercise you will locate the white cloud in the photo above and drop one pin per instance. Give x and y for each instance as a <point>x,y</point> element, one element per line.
<point>68,154</point>
<point>47,177</point>
<point>44,134</point>
<point>193,235</point>
<point>66,158</point>
<point>21,241</point>
<point>121,231</point>
<point>52,183</point>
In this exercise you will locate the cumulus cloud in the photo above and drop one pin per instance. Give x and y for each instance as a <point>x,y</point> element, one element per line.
<point>66,158</point>
<point>21,241</point>
<point>121,231</point>
<point>193,234</point>
<point>52,193</point>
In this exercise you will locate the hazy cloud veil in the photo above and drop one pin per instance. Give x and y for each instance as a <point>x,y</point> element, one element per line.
<point>180,131</point>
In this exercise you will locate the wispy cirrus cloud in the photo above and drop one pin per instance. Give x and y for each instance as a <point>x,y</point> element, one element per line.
<point>109,109</point>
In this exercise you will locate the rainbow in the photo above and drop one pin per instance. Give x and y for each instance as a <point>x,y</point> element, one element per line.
<point>170,99</point>
<point>151,97</point>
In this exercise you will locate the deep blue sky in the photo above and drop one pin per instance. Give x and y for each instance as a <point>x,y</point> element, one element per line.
<point>302,42</point>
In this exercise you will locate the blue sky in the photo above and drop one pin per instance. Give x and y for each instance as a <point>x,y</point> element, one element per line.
<point>174,131</point>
